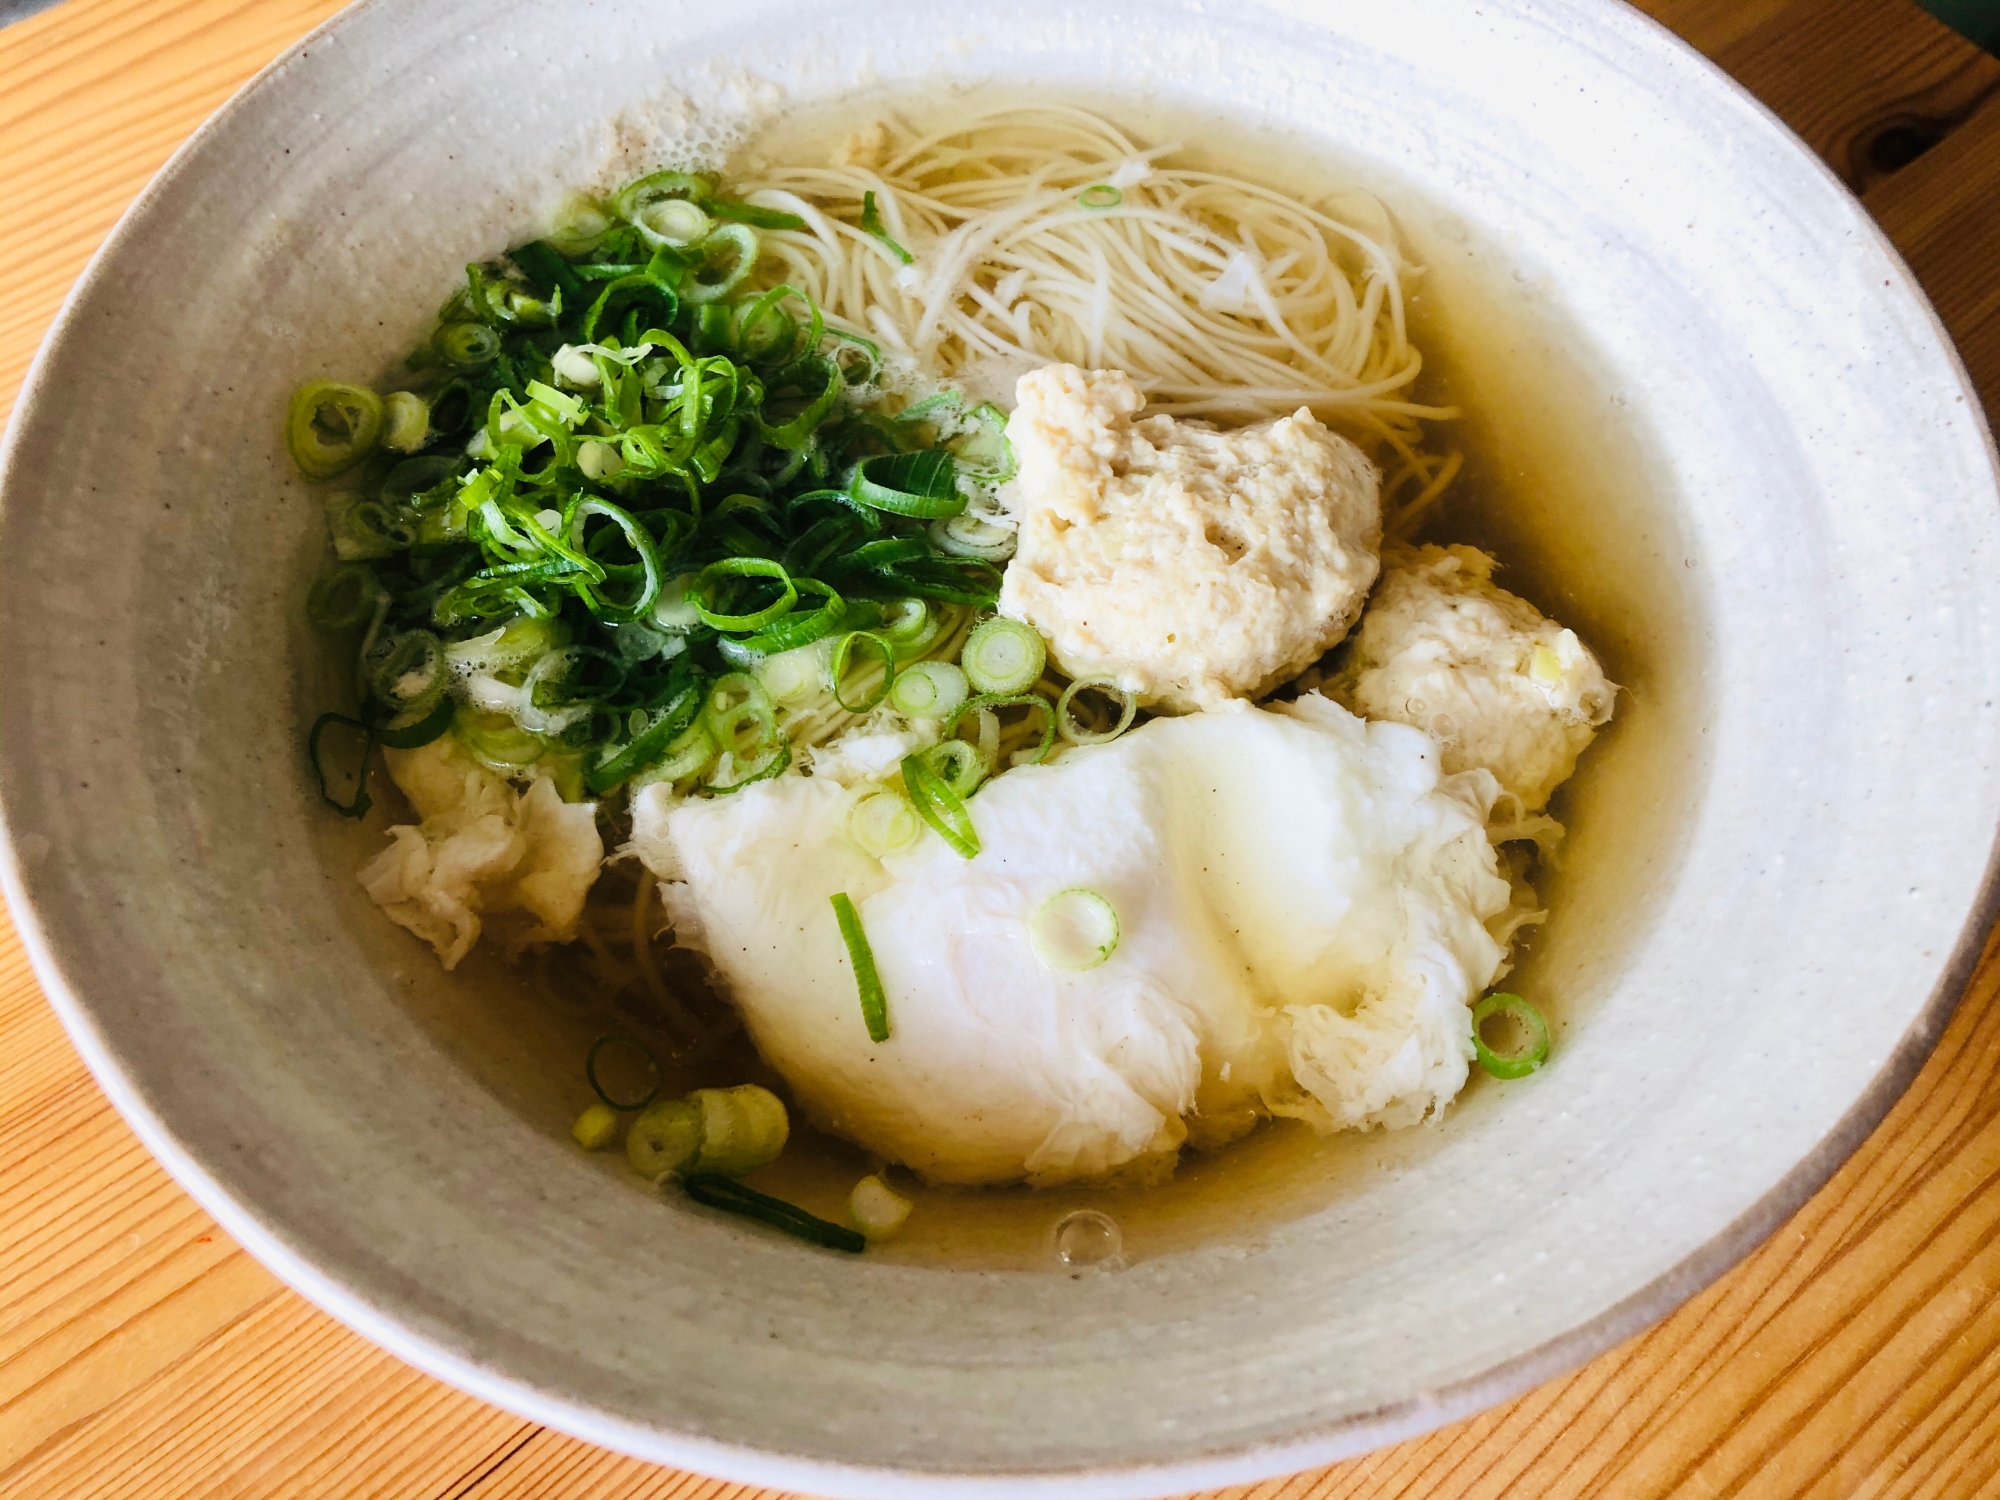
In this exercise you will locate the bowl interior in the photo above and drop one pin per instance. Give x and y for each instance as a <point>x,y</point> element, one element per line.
<point>1698,403</point>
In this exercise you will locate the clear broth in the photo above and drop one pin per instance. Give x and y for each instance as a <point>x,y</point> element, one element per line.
<point>1560,483</point>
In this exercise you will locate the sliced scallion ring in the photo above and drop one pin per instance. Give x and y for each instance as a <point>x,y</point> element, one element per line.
<point>653,739</point>
<point>874,1004</point>
<point>419,482</point>
<point>736,702</point>
<point>406,671</point>
<point>883,822</point>
<point>967,535</point>
<point>929,690</point>
<point>704,593</point>
<point>358,805</point>
<point>728,254</point>
<point>923,484</point>
<point>331,426</point>
<point>1533,1048</point>
<point>688,756</point>
<point>417,728</point>
<point>987,706</point>
<point>1073,930</point>
<point>843,663</point>
<point>1003,656</point>
<point>673,610</point>
<point>910,625</point>
<point>627,1044</point>
<point>634,203</point>
<point>672,221</point>
<point>795,675</point>
<point>467,345</point>
<point>345,597</point>
<point>959,765</point>
<point>772,763</point>
<point>1075,733</point>
<point>406,421</point>
<point>1100,195</point>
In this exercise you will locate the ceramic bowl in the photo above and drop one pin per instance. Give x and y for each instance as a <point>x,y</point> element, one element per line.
<point>1777,519</point>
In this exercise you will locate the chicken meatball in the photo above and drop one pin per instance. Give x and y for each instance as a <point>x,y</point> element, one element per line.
<point>1191,564</point>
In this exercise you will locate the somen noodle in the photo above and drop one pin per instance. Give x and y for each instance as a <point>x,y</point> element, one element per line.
<point>1042,233</point>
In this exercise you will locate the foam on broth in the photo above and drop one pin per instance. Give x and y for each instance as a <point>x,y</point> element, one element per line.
<point>1560,482</point>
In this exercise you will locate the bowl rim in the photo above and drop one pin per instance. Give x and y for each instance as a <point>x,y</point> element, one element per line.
<point>1316,1446</point>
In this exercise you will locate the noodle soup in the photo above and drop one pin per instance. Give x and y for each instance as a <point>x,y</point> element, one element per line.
<point>926,271</point>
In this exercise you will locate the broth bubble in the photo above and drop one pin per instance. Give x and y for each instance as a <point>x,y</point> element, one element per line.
<point>1087,1239</point>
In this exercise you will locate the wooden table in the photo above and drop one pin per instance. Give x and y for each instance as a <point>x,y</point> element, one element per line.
<point>143,1354</point>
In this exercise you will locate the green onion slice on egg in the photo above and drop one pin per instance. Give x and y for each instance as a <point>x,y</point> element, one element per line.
<point>1073,930</point>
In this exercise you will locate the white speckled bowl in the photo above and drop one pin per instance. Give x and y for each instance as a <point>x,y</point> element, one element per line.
<point>1782,857</point>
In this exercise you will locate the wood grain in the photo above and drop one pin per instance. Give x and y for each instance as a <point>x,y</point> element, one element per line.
<point>142,1354</point>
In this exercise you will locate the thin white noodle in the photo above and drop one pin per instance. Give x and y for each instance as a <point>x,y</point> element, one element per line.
<point>1013,270</point>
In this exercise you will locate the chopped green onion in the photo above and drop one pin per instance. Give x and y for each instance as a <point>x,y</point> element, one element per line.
<point>418,483</point>
<point>674,222</point>
<point>988,705</point>
<point>498,741</point>
<point>871,224</point>
<point>983,448</point>
<point>755,217</point>
<point>345,597</point>
<point>801,627</point>
<point>673,610</point>
<point>358,806</point>
<point>733,248</point>
<point>929,690</point>
<point>596,1127</point>
<point>581,222</point>
<point>689,755</point>
<point>973,536</point>
<point>735,701</point>
<point>842,655</point>
<point>1534,1048</point>
<point>910,625</point>
<point>774,762</point>
<point>959,765</point>
<point>467,345</point>
<point>331,426</point>
<point>704,596</point>
<point>922,484</point>
<point>883,822</point>
<point>876,1211</point>
<point>641,542</point>
<point>791,676</point>
<point>1073,930</point>
<point>406,421</point>
<point>665,1140</point>
<point>645,1054</point>
<point>1075,733</point>
<point>664,461</point>
<point>874,1004</point>
<point>404,733</point>
<point>733,1197</point>
<point>407,671</point>
<point>939,806</point>
<point>728,1131</point>
<point>1003,656</point>
<point>643,202</point>
<point>544,265</point>
<point>1102,195</point>
<point>651,741</point>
